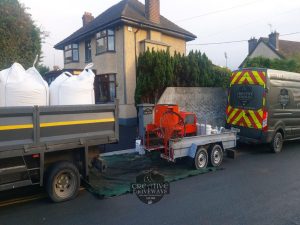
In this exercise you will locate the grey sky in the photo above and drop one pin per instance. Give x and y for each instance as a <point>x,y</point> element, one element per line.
<point>212,21</point>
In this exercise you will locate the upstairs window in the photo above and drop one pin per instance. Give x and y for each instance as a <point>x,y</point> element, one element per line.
<point>88,51</point>
<point>71,53</point>
<point>105,41</point>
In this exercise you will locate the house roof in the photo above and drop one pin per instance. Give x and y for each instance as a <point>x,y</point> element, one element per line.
<point>130,12</point>
<point>287,49</point>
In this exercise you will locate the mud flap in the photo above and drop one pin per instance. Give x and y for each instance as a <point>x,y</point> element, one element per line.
<point>99,164</point>
<point>192,151</point>
<point>231,153</point>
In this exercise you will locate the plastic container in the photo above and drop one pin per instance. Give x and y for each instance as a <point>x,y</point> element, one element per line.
<point>204,129</point>
<point>208,129</point>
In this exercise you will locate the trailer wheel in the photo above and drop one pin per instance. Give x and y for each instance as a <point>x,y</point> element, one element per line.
<point>276,143</point>
<point>201,158</point>
<point>63,181</point>
<point>215,155</point>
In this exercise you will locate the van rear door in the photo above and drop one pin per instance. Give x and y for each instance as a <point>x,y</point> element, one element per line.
<point>246,102</point>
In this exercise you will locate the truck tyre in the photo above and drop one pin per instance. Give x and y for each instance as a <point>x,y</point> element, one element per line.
<point>276,143</point>
<point>215,155</point>
<point>63,181</point>
<point>201,159</point>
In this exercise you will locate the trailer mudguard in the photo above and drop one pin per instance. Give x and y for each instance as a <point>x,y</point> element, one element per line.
<point>192,151</point>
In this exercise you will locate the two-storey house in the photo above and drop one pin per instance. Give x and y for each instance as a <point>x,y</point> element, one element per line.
<point>113,42</point>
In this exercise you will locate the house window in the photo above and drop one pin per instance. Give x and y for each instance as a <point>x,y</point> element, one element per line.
<point>88,51</point>
<point>105,41</point>
<point>71,53</point>
<point>105,88</point>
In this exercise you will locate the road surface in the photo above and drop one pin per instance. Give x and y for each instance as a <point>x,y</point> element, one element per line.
<point>256,188</point>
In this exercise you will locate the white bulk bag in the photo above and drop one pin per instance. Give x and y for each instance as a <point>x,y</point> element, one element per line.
<point>74,90</point>
<point>23,88</point>
<point>39,85</point>
<point>55,85</point>
<point>3,77</point>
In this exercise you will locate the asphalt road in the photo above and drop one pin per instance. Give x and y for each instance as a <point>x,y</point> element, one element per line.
<point>256,188</point>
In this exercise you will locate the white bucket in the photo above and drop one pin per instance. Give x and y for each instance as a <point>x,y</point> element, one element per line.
<point>204,129</point>
<point>139,148</point>
<point>208,129</point>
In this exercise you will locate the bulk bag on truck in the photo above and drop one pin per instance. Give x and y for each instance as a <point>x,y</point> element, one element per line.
<point>74,90</point>
<point>3,76</point>
<point>54,87</point>
<point>20,87</point>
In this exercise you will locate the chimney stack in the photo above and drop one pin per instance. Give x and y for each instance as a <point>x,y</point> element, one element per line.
<point>152,10</point>
<point>274,40</point>
<point>252,43</point>
<point>87,18</point>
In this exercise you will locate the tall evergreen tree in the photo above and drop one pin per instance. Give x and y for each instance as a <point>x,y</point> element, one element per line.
<point>20,39</point>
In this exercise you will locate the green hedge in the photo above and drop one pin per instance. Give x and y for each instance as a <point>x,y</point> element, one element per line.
<point>292,65</point>
<point>157,70</point>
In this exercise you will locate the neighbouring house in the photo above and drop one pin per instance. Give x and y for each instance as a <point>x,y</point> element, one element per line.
<point>113,42</point>
<point>272,48</point>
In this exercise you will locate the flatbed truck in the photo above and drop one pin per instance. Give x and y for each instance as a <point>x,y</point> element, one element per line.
<point>50,146</point>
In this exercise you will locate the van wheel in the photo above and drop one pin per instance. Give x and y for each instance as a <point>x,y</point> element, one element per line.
<point>277,142</point>
<point>215,155</point>
<point>63,181</point>
<point>201,159</point>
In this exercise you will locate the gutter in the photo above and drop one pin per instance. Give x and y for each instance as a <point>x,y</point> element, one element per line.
<point>124,68</point>
<point>138,29</point>
<point>161,29</point>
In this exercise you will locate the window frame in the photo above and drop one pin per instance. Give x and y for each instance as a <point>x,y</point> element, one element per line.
<point>106,36</point>
<point>71,48</point>
<point>86,49</point>
<point>108,82</point>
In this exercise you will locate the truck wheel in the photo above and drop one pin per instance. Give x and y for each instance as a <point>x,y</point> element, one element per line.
<point>215,155</point>
<point>63,181</point>
<point>201,158</point>
<point>276,143</point>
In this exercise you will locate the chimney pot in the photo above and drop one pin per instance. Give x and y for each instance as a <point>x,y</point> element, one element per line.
<point>152,10</point>
<point>87,18</point>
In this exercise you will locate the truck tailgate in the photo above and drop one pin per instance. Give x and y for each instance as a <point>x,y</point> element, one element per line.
<point>47,125</point>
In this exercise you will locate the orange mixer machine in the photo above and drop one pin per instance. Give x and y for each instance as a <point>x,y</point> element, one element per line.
<point>169,124</point>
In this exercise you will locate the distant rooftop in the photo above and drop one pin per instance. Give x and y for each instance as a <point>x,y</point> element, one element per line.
<point>287,49</point>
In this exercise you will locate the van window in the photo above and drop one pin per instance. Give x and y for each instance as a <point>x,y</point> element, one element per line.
<point>246,96</point>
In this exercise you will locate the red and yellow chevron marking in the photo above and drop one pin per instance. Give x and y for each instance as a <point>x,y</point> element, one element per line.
<point>242,117</point>
<point>248,77</point>
<point>245,118</point>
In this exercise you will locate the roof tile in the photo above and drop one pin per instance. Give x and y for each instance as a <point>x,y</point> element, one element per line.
<point>126,11</point>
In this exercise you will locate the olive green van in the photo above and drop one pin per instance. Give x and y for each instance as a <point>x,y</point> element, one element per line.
<point>264,105</point>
